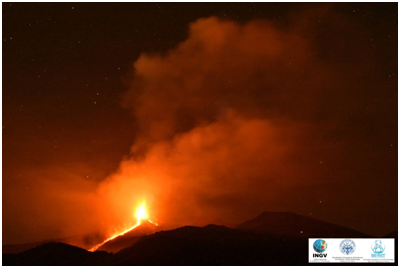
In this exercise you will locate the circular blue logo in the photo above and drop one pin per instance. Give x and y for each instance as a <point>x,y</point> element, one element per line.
<point>378,247</point>
<point>320,245</point>
<point>347,246</point>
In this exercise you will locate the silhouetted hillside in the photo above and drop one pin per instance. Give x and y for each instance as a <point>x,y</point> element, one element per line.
<point>86,241</point>
<point>17,248</point>
<point>291,224</point>
<point>213,245</point>
<point>269,239</point>
<point>57,254</point>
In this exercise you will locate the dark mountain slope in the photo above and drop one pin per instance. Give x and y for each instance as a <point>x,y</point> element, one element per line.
<point>17,248</point>
<point>57,254</point>
<point>213,245</point>
<point>270,239</point>
<point>85,241</point>
<point>291,224</point>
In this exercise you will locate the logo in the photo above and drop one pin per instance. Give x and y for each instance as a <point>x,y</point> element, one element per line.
<point>347,246</point>
<point>378,248</point>
<point>320,246</point>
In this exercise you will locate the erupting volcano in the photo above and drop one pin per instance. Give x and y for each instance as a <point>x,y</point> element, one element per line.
<point>140,214</point>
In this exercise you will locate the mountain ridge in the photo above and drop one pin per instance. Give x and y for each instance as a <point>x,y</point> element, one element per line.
<point>271,238</point>
<point>292,224</point>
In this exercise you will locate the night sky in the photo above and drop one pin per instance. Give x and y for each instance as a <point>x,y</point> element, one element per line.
<point>205,111</point>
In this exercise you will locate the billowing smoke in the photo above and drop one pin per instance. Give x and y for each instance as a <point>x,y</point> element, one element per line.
<point>226,125</point>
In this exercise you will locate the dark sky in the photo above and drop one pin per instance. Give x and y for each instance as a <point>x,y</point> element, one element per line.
<point>203,110</point>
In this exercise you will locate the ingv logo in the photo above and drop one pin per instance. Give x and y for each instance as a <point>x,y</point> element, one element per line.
<point>320,255</point>
<point>320,246</point>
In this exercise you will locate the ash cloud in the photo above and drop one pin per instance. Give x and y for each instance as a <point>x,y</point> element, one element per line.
<point>238,119</point>
<point>254,69</point>
<point>243,118</point>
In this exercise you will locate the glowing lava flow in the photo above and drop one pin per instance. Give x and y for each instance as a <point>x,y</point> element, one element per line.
<point>141,214</point>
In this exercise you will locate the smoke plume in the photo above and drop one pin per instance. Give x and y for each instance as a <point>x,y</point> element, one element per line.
<point>227,124</point>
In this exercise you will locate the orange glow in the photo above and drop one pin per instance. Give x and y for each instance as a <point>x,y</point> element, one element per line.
<point>141,214</point>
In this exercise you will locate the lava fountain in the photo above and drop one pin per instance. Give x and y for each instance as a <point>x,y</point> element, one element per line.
<point>140,214</point>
